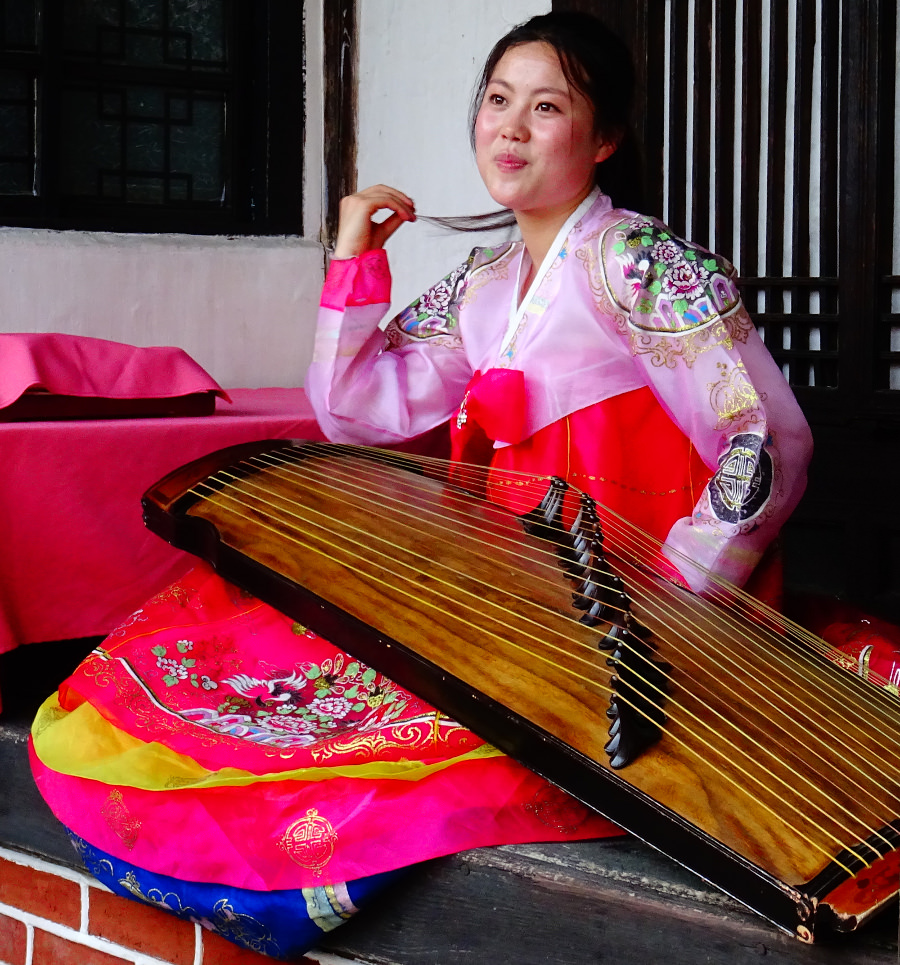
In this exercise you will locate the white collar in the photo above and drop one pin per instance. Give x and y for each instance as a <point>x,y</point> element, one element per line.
<point>517,308</point>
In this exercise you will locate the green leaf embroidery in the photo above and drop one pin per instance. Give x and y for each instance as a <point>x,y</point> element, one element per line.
<point>358,707</point>
<point>188,662</point>
<point>690,255</point>
<point>313,673</point>
<point>655,287</point>
<point>352,670</point>
<point>709,264</point>
<point>158,651</point>
<point>645,307</point>
<point>369,676</point>
<point>646,241</point>
<point>183,646</point>
<point>619,247</point>
<point>351,692</point>
<point>680,305</point>
<point>169,680</point>
<point>664,236</point>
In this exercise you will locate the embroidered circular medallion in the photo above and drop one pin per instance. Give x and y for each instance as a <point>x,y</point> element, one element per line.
<point>743,483</point>
<point>310,841</point>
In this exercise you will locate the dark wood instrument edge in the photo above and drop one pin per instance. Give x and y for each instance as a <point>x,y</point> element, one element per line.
<point>596,787</point>
<point>175,484</point>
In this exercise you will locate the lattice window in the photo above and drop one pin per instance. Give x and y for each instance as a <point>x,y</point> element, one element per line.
<point>759,86</point>
<point>151,114</point>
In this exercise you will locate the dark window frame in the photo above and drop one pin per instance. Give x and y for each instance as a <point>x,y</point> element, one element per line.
<point>264,142</point>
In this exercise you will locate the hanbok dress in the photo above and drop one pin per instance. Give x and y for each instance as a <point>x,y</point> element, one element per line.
<point>218,760</point>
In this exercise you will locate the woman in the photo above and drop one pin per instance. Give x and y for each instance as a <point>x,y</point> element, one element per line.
<point>217,760</point>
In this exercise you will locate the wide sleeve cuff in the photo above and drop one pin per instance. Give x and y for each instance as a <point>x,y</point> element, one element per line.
<point>364,280</point>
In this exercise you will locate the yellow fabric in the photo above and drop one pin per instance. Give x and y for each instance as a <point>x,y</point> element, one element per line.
<point>82,743</point>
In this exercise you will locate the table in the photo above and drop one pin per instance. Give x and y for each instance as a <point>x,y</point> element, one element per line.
<point>75,557</point>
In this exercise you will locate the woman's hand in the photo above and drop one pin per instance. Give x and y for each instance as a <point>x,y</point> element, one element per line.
<point>357,232</point>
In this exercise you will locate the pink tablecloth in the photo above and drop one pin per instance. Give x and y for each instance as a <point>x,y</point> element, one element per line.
<point>75,557</point>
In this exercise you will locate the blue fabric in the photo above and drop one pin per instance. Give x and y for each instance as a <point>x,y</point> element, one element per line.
<point>281,924</point>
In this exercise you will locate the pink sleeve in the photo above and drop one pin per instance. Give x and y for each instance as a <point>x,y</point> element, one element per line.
<point>699,351</point>
<point>369,387</point>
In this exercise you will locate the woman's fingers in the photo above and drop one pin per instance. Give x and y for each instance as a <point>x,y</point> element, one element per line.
<point>357,229</point>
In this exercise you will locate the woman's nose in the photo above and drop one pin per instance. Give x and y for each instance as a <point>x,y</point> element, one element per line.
<point>515,128</point>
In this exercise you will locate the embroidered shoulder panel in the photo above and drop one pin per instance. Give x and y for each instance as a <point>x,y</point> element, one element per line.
<point>665,284</point>
<point>435,313</point>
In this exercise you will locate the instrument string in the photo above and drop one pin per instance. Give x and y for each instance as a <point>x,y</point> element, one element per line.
<point>827,714</point>
<point>555,580</point>
<point>415,595</point>
<point>763,750</point>
<point>309,521</point>
<point>863,773</point>
<point>757,613</point>
<point>724,591</point>
<point>729,722</point>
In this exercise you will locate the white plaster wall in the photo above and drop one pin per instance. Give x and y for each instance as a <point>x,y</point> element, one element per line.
<point>243,308</point>
<point>418,64</point>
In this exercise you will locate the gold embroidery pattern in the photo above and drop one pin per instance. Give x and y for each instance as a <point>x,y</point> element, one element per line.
<point>47,719</point>
<point>119,819</point>
<point>96,667</point>
<point>410,734</point>
<point>310,841</point>
<point>223,919</point>
<point>666,350</point>
<point>176,782</point>
<point>499,483</point>
<point>176,594</point>
<point>733,395</point>
<point>498,269</point>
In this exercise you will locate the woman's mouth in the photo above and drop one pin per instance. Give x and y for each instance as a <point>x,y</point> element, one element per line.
<point>509,162</point>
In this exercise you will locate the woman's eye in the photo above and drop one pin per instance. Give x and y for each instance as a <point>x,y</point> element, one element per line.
<point>546,108</point>
<point>496,98</point>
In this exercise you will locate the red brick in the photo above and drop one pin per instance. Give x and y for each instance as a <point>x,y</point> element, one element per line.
<point>141,927</point>
<point>40,893</point>
<point>13,937</point>
<point>218,951</point>
<point>52,950</point>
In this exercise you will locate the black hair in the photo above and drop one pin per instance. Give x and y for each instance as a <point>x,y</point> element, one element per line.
<point>599,65</point>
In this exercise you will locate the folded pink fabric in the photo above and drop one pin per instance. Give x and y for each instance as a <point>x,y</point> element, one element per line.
<point>76,365</point>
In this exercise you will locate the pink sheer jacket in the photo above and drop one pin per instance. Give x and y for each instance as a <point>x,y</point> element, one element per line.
<point>619,304</point>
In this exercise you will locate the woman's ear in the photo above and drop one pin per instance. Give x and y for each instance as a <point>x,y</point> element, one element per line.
<point>606,149</point>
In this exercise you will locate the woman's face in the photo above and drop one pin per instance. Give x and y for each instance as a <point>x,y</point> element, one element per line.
<point>535,144</point>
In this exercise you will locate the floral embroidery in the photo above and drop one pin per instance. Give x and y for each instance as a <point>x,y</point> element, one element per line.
<point>300,706</point>
<point>173,668</point>
<point>435,312</point>
<point>675,286</point>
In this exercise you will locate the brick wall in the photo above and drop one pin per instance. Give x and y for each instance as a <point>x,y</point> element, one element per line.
<point>50,915</point>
